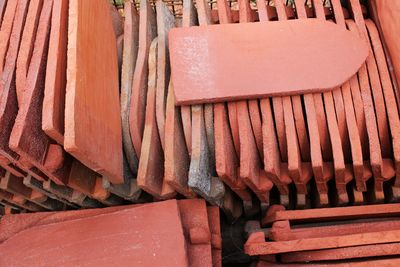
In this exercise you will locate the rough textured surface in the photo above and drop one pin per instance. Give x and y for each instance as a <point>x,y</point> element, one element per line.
<point>54,94</point>
<point>92,100</point>
<point>27,137</point>
<point>5,31</point>
<point>184,63</point>
<point>26,47</point>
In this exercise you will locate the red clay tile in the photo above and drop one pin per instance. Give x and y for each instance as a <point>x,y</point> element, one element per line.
<point>26,47</point>
<point>216,241</point>
<point>225,14</point>
<point>2,9</point>
<point>272,163</point>
<point>130,52</point>
<point>181,64</point>
<point>375,154</point>
<point>189,18</point>
<point>202,166</point>
<point>194,216</point>
<point>227,163</point>
<point>147,32</point>
<point>27,129</point>
<point>258,247</point>
<point>389,21</point>
<point>8,101</point>
<point>103,152</point>
<point>354,137</point>
<point>165,22</point>
<point>151,165</point>
<point>358,252</point>
<point>54,93</point>
<point>332,214</point>
<point>250,164</point>
<point>159,236</point>
<point>390,99</point>
<point>281,230</point>
<point>5,30</point>
<point>177,159</point>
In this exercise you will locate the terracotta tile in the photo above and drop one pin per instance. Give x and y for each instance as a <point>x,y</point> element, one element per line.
<point>194,217</point>
<point>180,62</point>
<point>20,202</point>
<point>26,47</point>
<point>2,9</point>
<point>16,186</point>
<point>82,178</point>
<point>279,233</point>
<point>216,241</point>
<point>165,21</point>
<point>189,18</point>
<point>161,218</point>
<point>130,52</point>
<point>375,154</point>
<point>326,146</point>
<point>103,152</point>
<point>266,248</point>
<point>332,214</point>
<point>117,21</point>
<point>129,190</point>
<point>151,166</point>
<point>302,134</point>
<point>70,195</point>
<point>272,164</point>
<point>27,137</point>
<point>343,100</point>
<point>250,164</point>
<point>270,138</point>
<point>177,159</point>
<point>55,85</point>
<point>390,99</point>
<point>5,30</point>
<point>202,165</point>
<point>358,252</point>
<point>359,113</point>
<point>209,127</point>
<point>227,164</point>
<point>8,102</point>
<point>147,32</point>
<point>37,185</point>
<point>225,15</point>
<point>386,19</point>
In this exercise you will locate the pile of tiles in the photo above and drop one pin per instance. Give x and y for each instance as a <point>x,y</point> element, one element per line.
<point>60,139</point>
<point>320,149</point>
<point>88,115</point>
<point>169,233</point>
<point>328,236</point>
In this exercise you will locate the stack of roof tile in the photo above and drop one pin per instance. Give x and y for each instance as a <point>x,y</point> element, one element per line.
<point>89,116</point>
<point>328,235</point>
